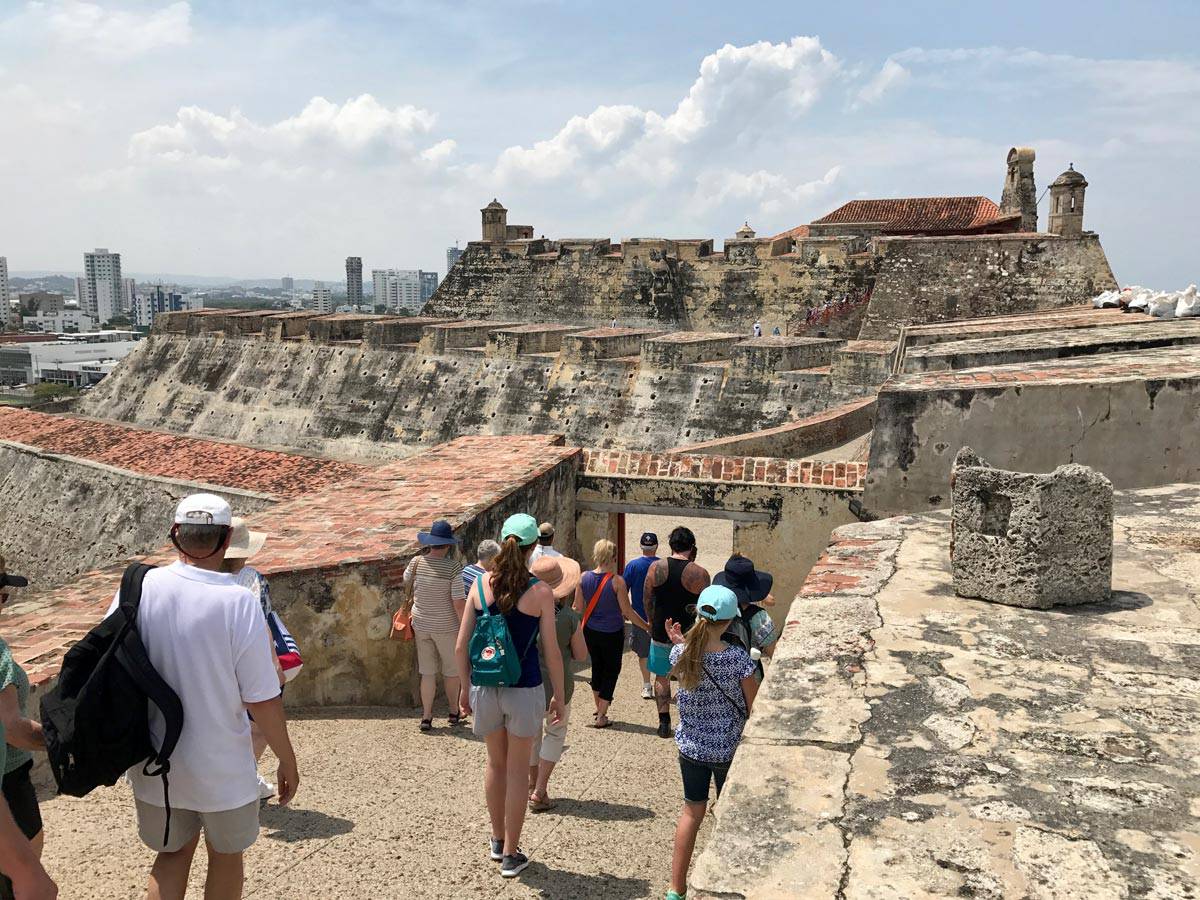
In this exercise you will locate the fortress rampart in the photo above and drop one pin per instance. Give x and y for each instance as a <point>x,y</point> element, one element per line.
<point>684,284</point>
<point>376,387</point>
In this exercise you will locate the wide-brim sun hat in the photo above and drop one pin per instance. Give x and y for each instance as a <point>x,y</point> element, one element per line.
<point>244,543</point>
<point>561,574</point>
<point>523,527</point>
<point>749,584</point>
<point>440,534</point>
<point>717,604</point>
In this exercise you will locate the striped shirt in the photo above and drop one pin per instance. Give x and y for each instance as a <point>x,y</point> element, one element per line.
<point>436,583</point>
<point>470,573</point>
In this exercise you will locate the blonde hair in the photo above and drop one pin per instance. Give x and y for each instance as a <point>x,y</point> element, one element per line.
<point>691,666</point>
<point>604,553</point>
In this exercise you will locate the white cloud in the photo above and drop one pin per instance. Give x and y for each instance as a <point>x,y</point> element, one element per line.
<point>760,194</point>
<point>361,130</point>
<point>112,33</point>
<point>740,94</point>
<point>891,76</point>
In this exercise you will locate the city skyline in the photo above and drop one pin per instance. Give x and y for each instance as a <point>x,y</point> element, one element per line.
<point>180,152</point>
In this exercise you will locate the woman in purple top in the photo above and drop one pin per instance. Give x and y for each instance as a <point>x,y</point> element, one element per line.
<point>603,599</point>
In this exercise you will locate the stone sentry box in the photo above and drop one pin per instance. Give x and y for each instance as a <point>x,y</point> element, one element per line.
<point>1036,541</point>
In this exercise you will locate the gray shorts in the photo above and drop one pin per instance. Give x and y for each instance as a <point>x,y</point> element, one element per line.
<point>228,831</point>
<point>640,642</point>
<point>519,710</point>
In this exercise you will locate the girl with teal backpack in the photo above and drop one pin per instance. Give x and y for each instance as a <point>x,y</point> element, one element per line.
<point>501,687</point>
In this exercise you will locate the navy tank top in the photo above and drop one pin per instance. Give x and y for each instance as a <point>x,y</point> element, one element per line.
<point>523,629</point>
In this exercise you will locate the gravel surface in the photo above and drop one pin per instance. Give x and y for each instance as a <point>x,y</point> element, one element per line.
<point>385,811</point>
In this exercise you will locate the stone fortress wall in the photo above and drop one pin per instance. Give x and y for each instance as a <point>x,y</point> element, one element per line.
<point>373,387</point>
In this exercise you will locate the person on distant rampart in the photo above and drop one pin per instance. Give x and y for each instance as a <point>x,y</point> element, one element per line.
<point>717,688</point>
<point>438,598</point>
<point>545,544</point>
<point>562,577</point>
<point>485,556</point>
<point>507,717</point>
<point>243,544</point>
<point>758,329</point>
<point>203,634</point>
<point>19,734</point>
<point>635,578</point>
<point>602,598</point>
<point>672,586</point>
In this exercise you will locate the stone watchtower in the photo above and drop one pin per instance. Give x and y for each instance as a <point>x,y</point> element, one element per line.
<point>495,222</point>
<point>745,233</point>
<point>1066,203</point>
<point>1020,194</point>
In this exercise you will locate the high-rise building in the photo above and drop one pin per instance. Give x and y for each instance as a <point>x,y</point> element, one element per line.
<point>287,283</point>
<point>397,289</point>
<point>80,291</point>
<point>6,313</point>
<point>102,284</point>
<point>322,298</point>
<point>354,294</point>
<point>452,255</point>
<point>429,284</point>
<point>159,299</point>
<point>128,293</point>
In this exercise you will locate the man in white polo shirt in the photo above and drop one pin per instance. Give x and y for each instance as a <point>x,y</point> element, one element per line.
<point>205,636</point>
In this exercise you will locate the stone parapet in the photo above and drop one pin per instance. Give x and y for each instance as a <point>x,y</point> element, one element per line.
<point>863,363</point>
<point>814,434</point>
<point>766,356</point>
<point>245,324</point>
<point>681,348</point>
<point>390,331</point>
<point>340,327</point>
<point>523,340</point>
<point>605,343</point>
<point>458,335</point>
<point>910,743</point>
<point>287,326</point>
<point>741,469</point>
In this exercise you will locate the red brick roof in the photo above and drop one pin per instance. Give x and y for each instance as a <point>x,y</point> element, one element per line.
<point>919,215</point>
<point>800,231</point>
<point>169,456</point>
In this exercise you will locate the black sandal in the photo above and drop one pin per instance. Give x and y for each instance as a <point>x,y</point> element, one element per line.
<point>455,718</point>
<point>427,724</point>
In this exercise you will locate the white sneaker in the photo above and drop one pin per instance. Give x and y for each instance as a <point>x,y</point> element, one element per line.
<point>647,691</point>
<point>266,790</point>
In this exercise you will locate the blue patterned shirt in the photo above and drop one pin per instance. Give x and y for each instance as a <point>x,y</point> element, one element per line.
<point>710,725</point>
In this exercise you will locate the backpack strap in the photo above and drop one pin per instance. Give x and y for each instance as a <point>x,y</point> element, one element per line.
<point>739,708</point>
<point>132,656</point>
<point>482,599</point>
<point>596,597</point>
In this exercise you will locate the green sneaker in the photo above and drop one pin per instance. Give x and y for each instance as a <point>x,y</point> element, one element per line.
<point>675,895</point>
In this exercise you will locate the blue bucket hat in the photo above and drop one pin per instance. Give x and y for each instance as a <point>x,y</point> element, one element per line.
<point>438,535</point>
<point>717,604</point>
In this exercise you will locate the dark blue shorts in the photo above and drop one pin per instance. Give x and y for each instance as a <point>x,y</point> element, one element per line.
<point>698,775</point>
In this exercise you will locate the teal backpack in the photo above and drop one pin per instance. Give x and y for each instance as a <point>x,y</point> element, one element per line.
<point>494,659</point>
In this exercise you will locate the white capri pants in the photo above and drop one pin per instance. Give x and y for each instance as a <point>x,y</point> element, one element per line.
<point>548,742</point>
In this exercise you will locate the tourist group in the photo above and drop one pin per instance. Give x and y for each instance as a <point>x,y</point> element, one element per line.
<point>506,632</point>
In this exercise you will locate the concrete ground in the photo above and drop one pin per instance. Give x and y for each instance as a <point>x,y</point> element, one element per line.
<point>385,811</point>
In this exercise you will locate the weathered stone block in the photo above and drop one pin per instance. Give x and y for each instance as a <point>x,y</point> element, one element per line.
<point>765,356</point>
<point>522,340</point>
<point>681,348</point>
<point>1030,540</point>
<point>605,343</point>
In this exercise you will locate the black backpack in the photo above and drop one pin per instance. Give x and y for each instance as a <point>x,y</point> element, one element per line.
<point>739,631</point>
<point>96,719</point>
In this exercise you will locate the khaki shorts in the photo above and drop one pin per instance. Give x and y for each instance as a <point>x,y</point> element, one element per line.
<point>549,742</point>
<point>228,831</point>
<point>435,653</point>
<point>519,710</point>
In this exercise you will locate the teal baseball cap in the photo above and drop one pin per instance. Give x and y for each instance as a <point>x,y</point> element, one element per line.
<point>523,527</point>
<point>717,603</point>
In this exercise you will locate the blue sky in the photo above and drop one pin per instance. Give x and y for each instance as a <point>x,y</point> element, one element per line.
<point>257,139</point>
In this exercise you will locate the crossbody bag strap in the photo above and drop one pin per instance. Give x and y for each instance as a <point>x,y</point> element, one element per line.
<point>482,598</point>
<point>596,598</point>
<point>739,708</point>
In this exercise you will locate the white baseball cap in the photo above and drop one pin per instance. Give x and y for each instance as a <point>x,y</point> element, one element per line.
<point>203,509</point>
